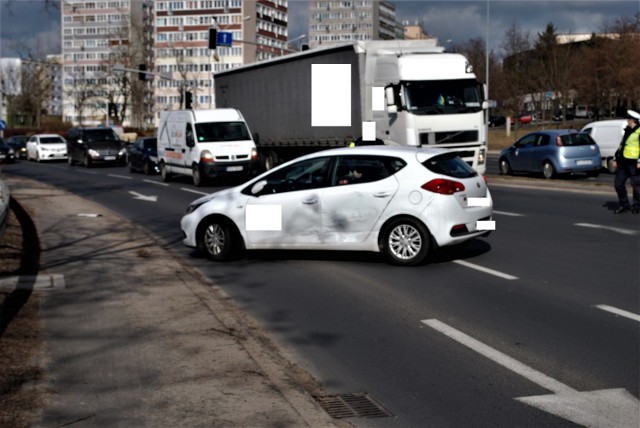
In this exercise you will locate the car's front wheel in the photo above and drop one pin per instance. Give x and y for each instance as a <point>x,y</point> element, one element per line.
<point>505,167</point>
<point>218,241</point>
<point>406,242</point>
<point>166,176</point>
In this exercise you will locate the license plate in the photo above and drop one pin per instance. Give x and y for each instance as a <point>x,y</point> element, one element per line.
<point>109,158</point>
<point>234,168</point>
<point>584,162</point>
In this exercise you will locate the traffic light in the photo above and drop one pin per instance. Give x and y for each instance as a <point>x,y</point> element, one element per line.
<point>188,99</point>
<point>142,75</point>
<point>213,38</point>
<point>113,109</point>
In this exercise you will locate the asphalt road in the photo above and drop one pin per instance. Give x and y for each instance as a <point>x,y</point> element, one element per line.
<point>547,306</point>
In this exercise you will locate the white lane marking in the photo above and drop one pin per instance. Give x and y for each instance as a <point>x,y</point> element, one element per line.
<point>120,176</point>
<point>603,408</point>
<point>140,196</point>
<point>508,213</point>
<point>159,183</point>
<point>620,312</point>
<point>485,270</point>
<point>186,189</point>
<point>610,228</point>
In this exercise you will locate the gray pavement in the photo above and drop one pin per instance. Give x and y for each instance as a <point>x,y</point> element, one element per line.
<point>136,337</point>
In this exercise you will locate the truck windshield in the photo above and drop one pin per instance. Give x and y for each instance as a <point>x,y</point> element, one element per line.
<point>221,131</point>
<point>443,96</point>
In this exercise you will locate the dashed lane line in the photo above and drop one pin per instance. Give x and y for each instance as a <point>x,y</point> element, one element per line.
<point>620,312</point>
<point>486,270</point>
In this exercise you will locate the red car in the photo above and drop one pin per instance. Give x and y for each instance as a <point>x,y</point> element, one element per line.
<point>526,118</point>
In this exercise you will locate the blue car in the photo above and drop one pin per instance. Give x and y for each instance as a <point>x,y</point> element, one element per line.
<point>552,153</point>
<point>143,156</point>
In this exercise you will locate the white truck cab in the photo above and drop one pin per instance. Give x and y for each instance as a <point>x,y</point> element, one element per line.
<point>205,144</point>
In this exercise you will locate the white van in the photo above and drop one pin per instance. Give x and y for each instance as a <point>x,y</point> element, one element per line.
<point>608,134</point>
<point>204,144</point>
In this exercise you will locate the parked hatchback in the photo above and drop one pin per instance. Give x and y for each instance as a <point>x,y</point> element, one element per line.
<point>401,201</point>
<point>44,147</point>
<point>143,156</point>
<point>551,153</point>
<point>95,145</point>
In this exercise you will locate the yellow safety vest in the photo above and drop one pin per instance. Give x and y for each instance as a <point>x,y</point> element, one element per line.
<point>632,145</point>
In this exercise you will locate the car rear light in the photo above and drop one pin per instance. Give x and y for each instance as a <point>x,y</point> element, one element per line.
<point>459,229</point>
<point>485,179</point>
<point>443,186</point>
<point>558,141</point>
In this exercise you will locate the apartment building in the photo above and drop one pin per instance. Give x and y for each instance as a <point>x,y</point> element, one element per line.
<point>258,29</point>
<point>96,34</point>
<point>334,22</point>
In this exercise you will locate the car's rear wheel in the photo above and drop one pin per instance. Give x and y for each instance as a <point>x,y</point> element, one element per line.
<point>505,167</point>
<point>548,170</point>
<point>218,240</point>
<point>406,242</point>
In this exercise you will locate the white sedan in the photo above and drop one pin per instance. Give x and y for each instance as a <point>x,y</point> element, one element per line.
<point>403,201</point>
<point>41,147</point>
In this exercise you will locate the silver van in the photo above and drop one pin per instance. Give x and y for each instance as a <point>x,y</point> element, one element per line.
<point>608,135</point>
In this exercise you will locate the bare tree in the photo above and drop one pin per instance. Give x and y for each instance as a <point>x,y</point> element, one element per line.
<point>516,66</point>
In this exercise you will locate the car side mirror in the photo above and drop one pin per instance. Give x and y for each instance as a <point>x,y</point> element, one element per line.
<point>258,187</point>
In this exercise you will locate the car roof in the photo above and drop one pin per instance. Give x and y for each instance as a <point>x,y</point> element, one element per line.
<point>398,151</point>
<point>47,135</point>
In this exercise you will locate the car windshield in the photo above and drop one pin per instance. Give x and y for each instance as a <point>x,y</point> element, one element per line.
<point>576,139</point>
<point>221,131</point>
<point>151,144</point>
<point>443,96</point>
<point>449,164</point>
<point>100,135</point>
<point>51,140</point>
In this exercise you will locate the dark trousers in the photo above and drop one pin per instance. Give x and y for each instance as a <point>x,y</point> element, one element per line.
<point>627,169</point>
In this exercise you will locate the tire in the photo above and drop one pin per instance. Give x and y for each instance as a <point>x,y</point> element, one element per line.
<point>505,167</point>
<point>406,242</point>
<point>69,160</point>
<point>146,168</point>
<point>270,160</point>
<point>86,161</point>
<point>218,240</point>
<point>610,167</point>
<point>166,176</point>
<point>548,171</point>
<point>131,168</point>
<point>196,175</point>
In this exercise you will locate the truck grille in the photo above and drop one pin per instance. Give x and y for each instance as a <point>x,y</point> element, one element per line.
<point>448,137</point>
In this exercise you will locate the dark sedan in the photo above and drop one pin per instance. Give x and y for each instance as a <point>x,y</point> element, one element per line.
<point>7,153</point>
<point>19,144</point>
<point>552,153</point>
<point>143,156</point>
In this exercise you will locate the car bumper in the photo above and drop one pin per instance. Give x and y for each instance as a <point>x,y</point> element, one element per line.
<point>579,165</point>
<point>218,169</point>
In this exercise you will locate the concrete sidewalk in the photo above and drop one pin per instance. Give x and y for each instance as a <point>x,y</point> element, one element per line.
<point>135,337</point>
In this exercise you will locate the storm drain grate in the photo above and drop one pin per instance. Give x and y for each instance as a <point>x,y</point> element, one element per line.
<point>359,405</point>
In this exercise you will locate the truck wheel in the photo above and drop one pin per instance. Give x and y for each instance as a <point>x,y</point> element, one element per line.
<point>405,242</point>
<point>270,160</point>
<point>166,177</point>
<point>218,240</point>
<point>610,167</point>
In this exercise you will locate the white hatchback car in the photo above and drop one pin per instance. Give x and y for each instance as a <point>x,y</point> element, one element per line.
<point>41,147</point>
<point>403,201</point>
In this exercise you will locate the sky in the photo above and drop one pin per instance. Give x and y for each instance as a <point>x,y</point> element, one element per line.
<point>31,26</point>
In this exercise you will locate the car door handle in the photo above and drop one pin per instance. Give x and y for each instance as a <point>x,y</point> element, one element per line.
<point>310,201</point>
<point>381,194</point>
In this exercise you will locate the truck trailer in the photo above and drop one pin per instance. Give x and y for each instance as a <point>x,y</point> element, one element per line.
<point>431,98</point>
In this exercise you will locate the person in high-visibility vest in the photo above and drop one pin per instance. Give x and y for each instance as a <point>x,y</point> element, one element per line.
<point>627,165</point>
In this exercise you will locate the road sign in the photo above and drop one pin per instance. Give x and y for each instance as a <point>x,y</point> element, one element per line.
<point>224,39</point>
<point>3,125</point>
